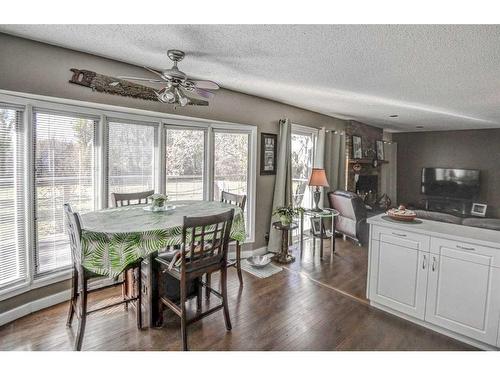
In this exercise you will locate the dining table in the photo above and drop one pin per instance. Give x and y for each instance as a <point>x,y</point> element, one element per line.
<point>114,238</point>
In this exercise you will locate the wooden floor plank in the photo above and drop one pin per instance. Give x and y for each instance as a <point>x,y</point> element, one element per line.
<point>310,305</point>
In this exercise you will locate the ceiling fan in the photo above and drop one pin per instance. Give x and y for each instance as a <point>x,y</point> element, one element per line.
<point>177,83</point>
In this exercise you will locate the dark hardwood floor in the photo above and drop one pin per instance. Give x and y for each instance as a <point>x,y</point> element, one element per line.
<point>310,305</point>
<point>346,272</point>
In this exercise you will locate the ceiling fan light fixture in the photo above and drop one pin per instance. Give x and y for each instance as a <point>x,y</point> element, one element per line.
<point>178,84</point>
<point>183,101</point>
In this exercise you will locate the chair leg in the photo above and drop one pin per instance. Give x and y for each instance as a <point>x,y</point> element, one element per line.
<point>138,301</point>
<point>74,297</point>
<point>223,275</point>
<point>199,293</point>
<point>238,262</point>
<point>124,289</point>
<point>209,284</point>
<point>183,316</point>
<point>83,313</point>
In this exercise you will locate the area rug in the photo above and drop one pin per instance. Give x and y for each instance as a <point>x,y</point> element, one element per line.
<point>261,273</point>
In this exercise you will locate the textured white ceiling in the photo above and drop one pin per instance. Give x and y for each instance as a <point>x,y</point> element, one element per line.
<point>436,76</point>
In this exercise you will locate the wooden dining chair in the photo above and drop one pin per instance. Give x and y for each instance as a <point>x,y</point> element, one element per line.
<point>127,199</point>
<point>81,277</point>
<point>205,241</point>
<point>122,200</point>
<point>240,201</point>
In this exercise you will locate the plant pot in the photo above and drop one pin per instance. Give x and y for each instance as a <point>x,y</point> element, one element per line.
<point>285,220</point>
<point>158,204</point>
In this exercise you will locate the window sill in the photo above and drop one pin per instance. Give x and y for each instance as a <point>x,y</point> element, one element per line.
<point>36,283</point>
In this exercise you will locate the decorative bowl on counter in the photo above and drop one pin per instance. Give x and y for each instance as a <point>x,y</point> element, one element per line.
<point>259,261</point>
<point>401,214</point>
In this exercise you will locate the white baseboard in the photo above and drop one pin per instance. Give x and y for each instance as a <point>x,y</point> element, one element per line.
<point>34,306</point>
<point>54,299</point>
<point>249,253</point>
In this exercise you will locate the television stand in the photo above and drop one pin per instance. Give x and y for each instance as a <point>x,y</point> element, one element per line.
<point>457,207</point>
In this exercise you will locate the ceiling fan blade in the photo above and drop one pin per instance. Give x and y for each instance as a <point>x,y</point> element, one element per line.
<point>158,73</point>
<point>204,93</point>
<point>198,102</point>
<point>141,79</point>
<point>207,85</point>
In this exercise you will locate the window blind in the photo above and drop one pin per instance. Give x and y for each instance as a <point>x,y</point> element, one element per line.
<point>185,159</point>
<point>12,198</point>
<point>231,164</point>
<point>130,157</point>
<point>64,173</point>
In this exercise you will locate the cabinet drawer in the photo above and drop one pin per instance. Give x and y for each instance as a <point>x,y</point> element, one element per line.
<point>469,252</point>
<point>401,238</point>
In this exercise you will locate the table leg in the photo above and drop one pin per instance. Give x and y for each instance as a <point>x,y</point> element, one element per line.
<point>321,237</point>
<point>333,232</point>
<point>301,233</point>
<point>332,238</point>
<point>283,256</point>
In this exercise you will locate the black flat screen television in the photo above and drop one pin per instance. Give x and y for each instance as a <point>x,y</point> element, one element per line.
<point>450,183</point>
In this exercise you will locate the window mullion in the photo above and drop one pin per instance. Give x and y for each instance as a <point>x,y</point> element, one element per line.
<point>160,159</point>
<point>101,163</point>
<point>209,164</point>
<point>30,191</point>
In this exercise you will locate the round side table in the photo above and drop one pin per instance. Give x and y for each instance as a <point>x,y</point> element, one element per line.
<point>283,256</point>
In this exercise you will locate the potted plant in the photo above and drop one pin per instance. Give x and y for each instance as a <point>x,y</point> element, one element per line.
<point>287,213</point>
<point>158,201</point>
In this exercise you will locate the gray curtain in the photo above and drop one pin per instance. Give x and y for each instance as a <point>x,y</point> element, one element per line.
<point>283,183</point>
<point>334,161</point>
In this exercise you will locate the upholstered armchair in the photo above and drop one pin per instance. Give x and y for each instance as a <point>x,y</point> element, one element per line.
<point>352,219</point>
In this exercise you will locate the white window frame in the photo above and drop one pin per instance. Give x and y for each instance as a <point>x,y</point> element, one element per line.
<point>206,143</point>
<point>105,120</point>
<point>308,131</point>
<point>104,111</point>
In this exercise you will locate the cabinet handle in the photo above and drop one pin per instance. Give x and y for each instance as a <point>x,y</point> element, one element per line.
<point>424,262</point>
<point>399,234</point>
<point>433,264</point>
<point>465,248</point>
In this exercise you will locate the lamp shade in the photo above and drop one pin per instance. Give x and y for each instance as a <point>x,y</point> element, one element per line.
<point>318,177</point>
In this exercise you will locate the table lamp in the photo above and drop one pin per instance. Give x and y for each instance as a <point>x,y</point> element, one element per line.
<point>317,178</point>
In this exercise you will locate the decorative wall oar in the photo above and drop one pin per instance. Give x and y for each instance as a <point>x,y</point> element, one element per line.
<point>115,86</point>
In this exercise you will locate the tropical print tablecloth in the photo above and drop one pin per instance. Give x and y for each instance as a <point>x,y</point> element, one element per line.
<point>116,237</point>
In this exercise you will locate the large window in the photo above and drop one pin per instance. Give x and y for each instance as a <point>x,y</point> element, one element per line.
<point>130,157</point>
<point>64,172</point>
<point>303,143</point>
<point>185,163</point>
<point>53,153</point>
<point>12,201</point>
<point>230,162</point>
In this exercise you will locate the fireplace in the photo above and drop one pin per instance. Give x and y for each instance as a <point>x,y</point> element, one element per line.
<point>366,184</point>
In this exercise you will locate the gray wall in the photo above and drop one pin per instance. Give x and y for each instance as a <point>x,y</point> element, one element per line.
<point>38,68</point>
<point>473,149</point>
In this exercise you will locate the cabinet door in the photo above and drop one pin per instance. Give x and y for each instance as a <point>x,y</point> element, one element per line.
<point>399,278</point>
<point>464,293</point>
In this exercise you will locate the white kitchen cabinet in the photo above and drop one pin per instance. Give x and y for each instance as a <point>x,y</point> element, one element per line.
<point>399,277</point>
<point>445,275</point>
<point>463,293</point>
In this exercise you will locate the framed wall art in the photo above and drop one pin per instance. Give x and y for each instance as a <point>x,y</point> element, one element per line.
<point>357,151</point>
<point>380,150</point>
<point>268,152</point>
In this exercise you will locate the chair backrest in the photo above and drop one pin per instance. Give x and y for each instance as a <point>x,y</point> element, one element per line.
<point>231,198</point>
<point>127,199</point>
<point>205,241</point>
<point>74,230</point>
<point>348,204</point>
